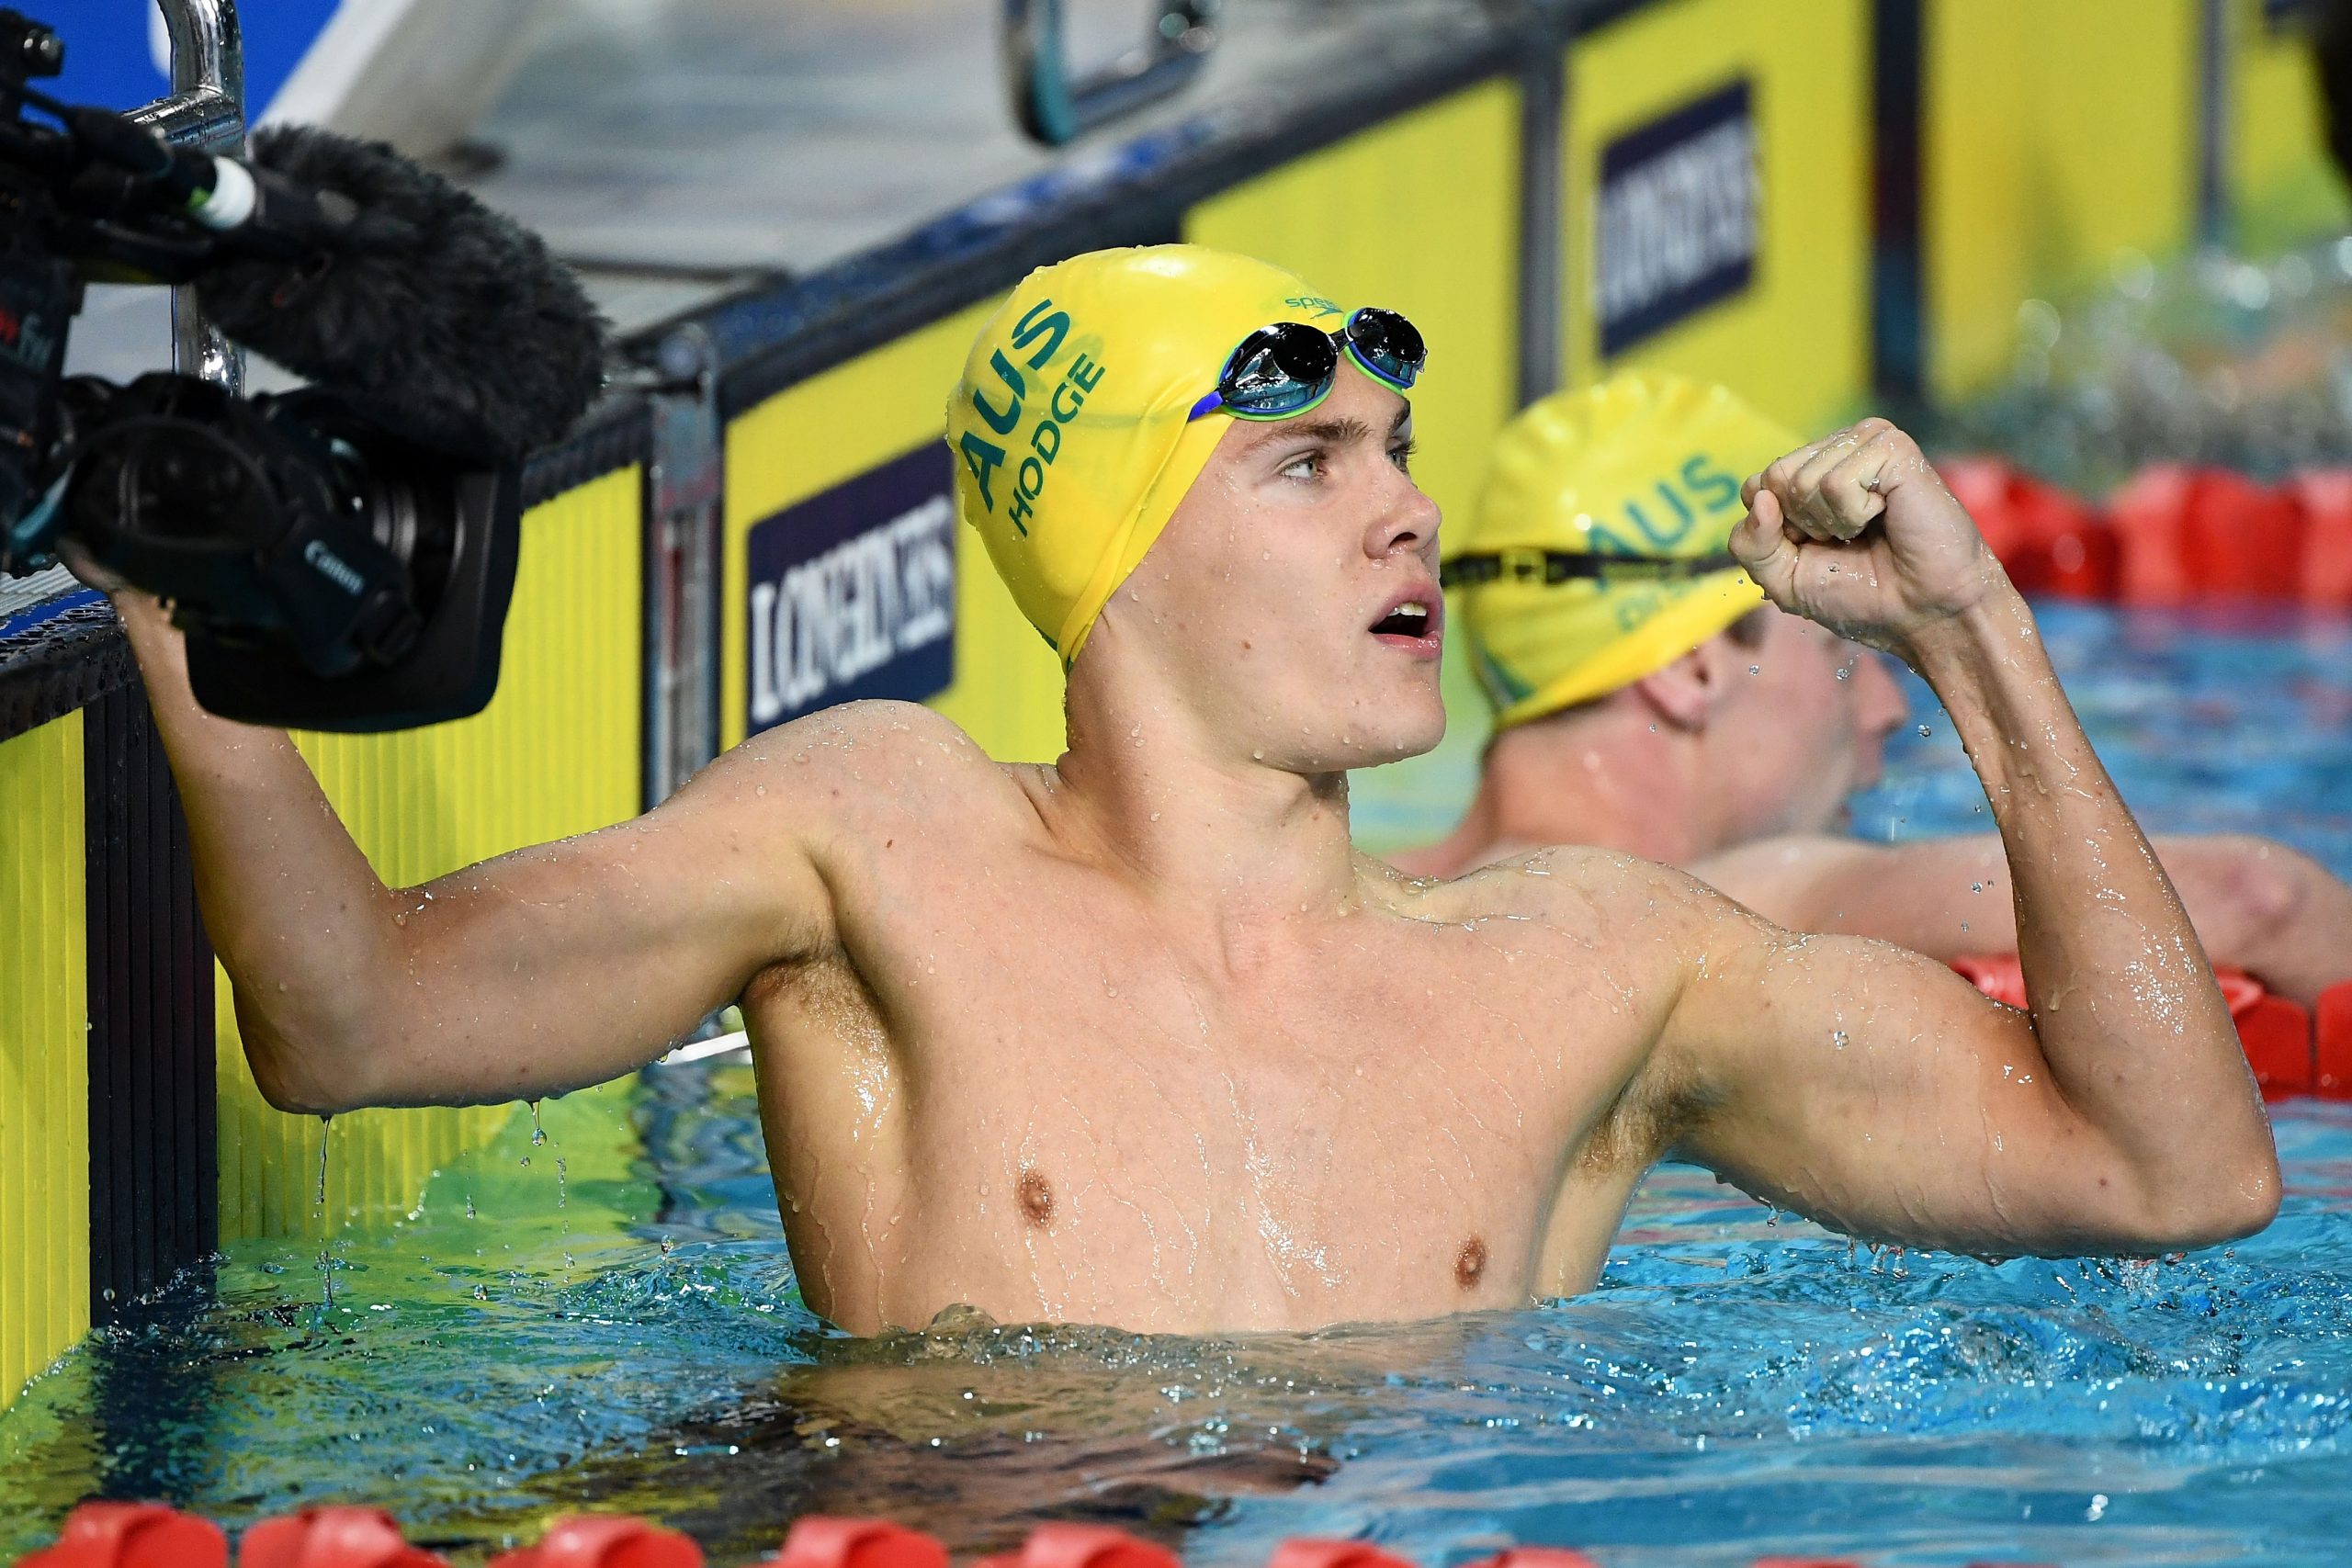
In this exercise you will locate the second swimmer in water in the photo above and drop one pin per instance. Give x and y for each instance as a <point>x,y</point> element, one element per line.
<point>1649,700</point>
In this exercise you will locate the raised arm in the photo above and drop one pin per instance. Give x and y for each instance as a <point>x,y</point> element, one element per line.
<point>1868,1087</point>
<point>2257,905</point>
<point>539,971</point>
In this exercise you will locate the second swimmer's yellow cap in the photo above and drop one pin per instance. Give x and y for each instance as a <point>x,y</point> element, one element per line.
<point>1071,424</point>
<point>1638,466</point>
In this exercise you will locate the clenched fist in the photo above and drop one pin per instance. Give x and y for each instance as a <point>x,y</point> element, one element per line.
<point>1858,533</point>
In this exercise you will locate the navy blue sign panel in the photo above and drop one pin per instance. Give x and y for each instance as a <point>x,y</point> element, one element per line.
<point>852,594</point>
<point>1678,217</point>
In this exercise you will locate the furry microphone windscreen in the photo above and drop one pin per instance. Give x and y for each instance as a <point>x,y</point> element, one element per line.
<point>451,323</point>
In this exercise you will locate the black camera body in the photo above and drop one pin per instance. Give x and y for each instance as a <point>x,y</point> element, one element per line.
<point>330,567</point>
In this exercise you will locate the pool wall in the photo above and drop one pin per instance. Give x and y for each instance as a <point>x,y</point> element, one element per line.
<point>1459,170</point>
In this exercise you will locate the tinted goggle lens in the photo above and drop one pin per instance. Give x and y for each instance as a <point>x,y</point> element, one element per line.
<point>1386,344</point>
<point>1277,371</point>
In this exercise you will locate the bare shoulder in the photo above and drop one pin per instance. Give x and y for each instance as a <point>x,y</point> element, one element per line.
<point>1577,889</point>
<point>858,765</point>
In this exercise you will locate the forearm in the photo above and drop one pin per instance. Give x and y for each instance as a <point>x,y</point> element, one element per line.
<point>2132,1028</point>
<point>300,919</point>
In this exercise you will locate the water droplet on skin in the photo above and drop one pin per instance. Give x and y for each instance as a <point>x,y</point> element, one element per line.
<point>1838,1039</point>
<point>1257,756</point>
<point>1977,887</point>
<point>1925,731</point>
<point>1844,670</point>
<point>1756,670</point>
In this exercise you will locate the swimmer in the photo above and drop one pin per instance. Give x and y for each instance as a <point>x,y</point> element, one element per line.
<point>1685,719</point>
<point>1136,1037</point>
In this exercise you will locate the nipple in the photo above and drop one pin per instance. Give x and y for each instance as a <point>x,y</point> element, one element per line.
<point>1036,1195</point>
<point>1470,1263</point>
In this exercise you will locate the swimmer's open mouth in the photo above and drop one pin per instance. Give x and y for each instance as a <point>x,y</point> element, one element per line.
<point>1412,619</point>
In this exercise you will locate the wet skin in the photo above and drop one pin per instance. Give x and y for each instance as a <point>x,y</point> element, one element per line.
<point>1138,1038</point>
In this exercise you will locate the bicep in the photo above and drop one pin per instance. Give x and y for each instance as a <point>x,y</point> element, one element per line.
<point>1876,1091</point>
<point>575,962</point>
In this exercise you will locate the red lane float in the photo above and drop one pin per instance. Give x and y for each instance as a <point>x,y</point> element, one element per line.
<point>822,1541</point>
<point>2332,1043</point>
<point>148,1535</point>
<point>2325,497</point>
<point>2049,541</point>
<point>2170,534</point>
<point>1308,1552</point>
<point>1082,1546</point>
<point>133,1535</point>
<point>331,1538</point>
<point>605,1541</point>
<point>2290,1051</point>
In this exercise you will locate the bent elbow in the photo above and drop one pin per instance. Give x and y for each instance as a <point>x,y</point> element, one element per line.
<point>2214,1208</point>
<point>303,1072</point>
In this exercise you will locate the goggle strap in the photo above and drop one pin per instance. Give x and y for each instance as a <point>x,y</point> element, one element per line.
<point>1552,566</point>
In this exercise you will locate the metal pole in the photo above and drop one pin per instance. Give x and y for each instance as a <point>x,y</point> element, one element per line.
<point>684,484</point>
<point>2213,96</point>
<point>207,109</point>
<point>1543,156</point>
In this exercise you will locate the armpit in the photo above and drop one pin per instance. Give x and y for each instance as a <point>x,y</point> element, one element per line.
<point>1650,1115</point>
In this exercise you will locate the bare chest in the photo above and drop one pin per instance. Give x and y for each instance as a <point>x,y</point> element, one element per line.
<point>1054,1112</point>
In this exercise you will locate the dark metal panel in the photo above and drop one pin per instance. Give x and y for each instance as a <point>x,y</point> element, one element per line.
<point>1899,282</point>
<point>154,1185</point>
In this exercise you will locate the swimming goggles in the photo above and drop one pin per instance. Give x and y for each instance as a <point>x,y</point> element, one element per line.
<point>1527,564</point>
<point>1288,367</point>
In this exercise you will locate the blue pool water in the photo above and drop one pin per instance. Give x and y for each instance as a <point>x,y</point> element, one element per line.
<point>1740,1383</point>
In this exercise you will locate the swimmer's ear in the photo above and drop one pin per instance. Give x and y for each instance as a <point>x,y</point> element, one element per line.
<point>1681,694</point>
<point>1686,693</point>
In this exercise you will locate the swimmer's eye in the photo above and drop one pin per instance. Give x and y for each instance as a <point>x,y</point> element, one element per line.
<point>1311,462</point>
<point>1402,453</point>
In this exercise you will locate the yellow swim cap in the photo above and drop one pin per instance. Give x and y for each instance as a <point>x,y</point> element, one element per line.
<point>1070,424</point>
<point>1640,466</point>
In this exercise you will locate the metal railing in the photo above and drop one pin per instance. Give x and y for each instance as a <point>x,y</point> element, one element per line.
<point>1055,109</point>
<point>205,109</point>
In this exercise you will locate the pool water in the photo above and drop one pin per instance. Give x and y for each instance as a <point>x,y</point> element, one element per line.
<point>607,1319</point>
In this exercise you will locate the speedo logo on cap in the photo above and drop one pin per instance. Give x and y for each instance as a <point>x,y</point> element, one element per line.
<point>1055,409</point>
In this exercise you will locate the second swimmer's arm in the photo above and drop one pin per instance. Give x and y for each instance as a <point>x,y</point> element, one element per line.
<point>2257,905</point>
<point>543,970</point>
